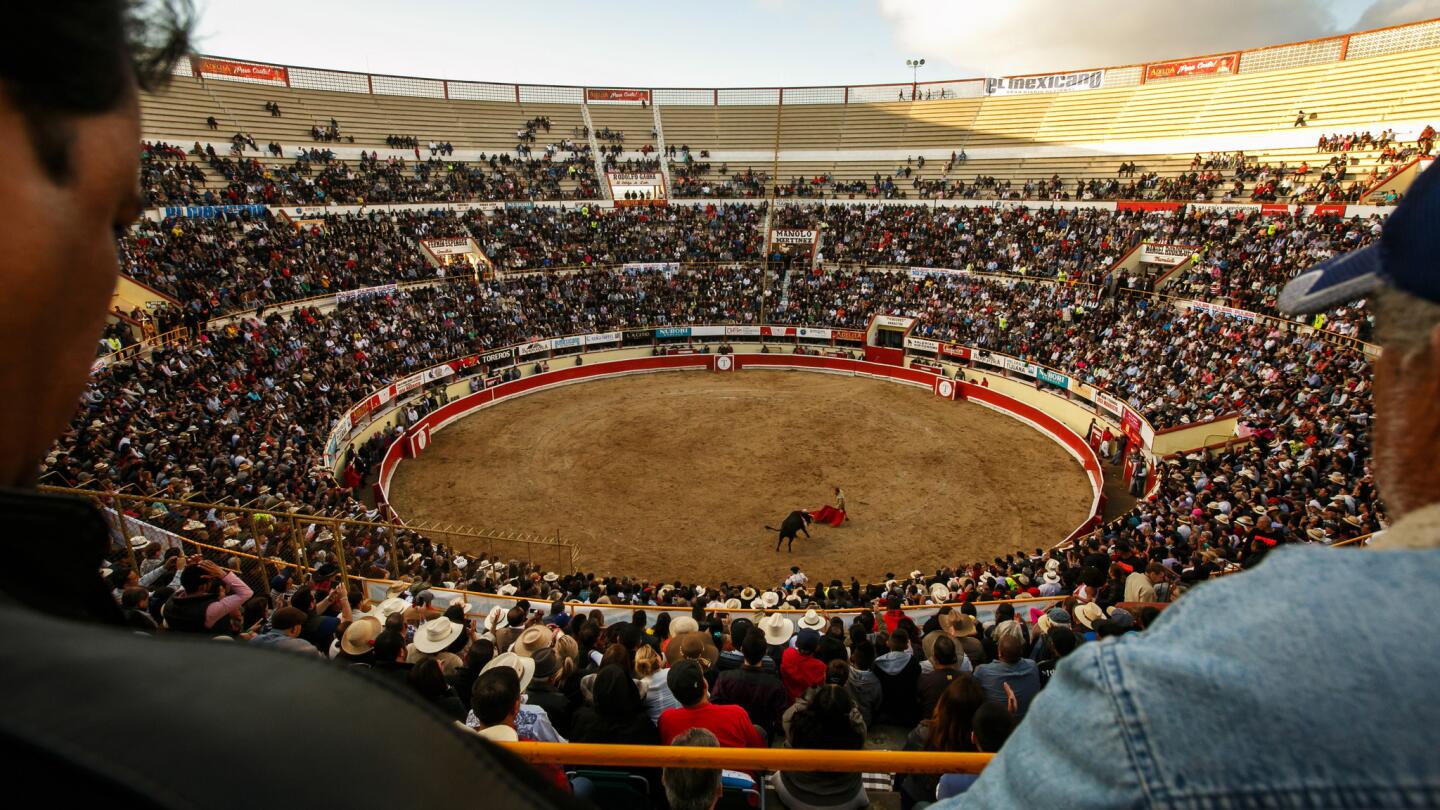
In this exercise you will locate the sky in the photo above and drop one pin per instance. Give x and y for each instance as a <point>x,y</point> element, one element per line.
<point>757,43</point>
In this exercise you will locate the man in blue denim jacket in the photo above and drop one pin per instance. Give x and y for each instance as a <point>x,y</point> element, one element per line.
<point>1307,681</point>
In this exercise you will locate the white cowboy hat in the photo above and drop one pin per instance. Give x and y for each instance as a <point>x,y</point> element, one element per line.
<point>507,589</point>
<point>777,628</point>
<point>939,592</point>
<point>770,599</point>
<point>461,562</point>
<point>388,608</point>
<point>813,621</point>
<point>683,624</point>
<point>748,594</point>
<point>139,542</point>
<point>1089,613</point>
<point>436,634</point>
<point>524,667</point>
<point>551,576</point>
<point>497,619</point>
<point>1052,564</point>
<point>916,574</point>
<point>732,604</point>
<point>1051,577</point>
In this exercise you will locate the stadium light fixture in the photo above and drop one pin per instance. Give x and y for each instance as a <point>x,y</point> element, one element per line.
<point>914,65</point>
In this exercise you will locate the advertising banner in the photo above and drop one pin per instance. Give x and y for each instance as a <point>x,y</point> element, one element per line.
<point>1082,390</point>
<point>672,332</point>
<point>1017,366</point>
<point>1168,255</point>
<point>408,384</point>
<point>707,331</point>
<point>927,272</point>
<point>595,94</point>
<point>793,236</point>
<point>751,331</point>
<point>895,321</point>
<point>1217,309</point>
<point>922,344</point>
<point>534,347</point>
<point>1109,406</point>
<point>668,268</point>
<point>640,185</point>
<point>1052,83</point>
<point>450,247</point>
<point>813,333</point>
<point>1229,63</point>
<point>848,334</point>
<point>437,373</point>
<point>211,211</point>
<point>565,342</point>
<point>602,337</point>
<point>1277,209</point>
<point>1051,377</point>
<point>365,292</point>
<point>1130,426</point>
<point>242,70</point>
<point>499,357</point>
<point>777,331</point>
<point>955,351</point>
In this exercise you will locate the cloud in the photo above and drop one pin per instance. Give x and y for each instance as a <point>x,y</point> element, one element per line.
<point>1394,12</point>
<point>1022,36</point>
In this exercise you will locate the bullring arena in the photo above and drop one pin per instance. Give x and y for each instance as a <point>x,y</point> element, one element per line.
<point>673,476</point>
<point>491,392</point>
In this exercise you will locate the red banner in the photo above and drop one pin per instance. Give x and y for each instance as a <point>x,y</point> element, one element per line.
<point>847,334</point>
<point>1146,205</point>
<point>958,352</point>
<point>778,331</point>
<point>1329,209</point>
<point>616,95</point>
<point>1275,210</point>
<point>1229,63</point>
<point>1130,426</point>
<point>243,70</point>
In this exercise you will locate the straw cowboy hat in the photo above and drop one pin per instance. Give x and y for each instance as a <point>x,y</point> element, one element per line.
<point>437,634</point>
<point>770,599</point>
<point>497,619</point>
<point>692,647</point>
<point>360,635</point>
<point>139,542</point>
<point>1089,613</point>
<point>748,594</point>
<point>939,592</point>
<point>963,625</point>
<point>732,604</point>
<point>524,667</point>
<point>813,621</point>
<point>683,624</point>
<point>388,608</point>
<point>776,627</point>
<point>535,637</point>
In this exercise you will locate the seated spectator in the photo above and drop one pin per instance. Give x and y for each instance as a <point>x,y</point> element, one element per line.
<point>650,668</point>
<point>752,687</point>
<point>284,633</point>
<point>898,671</point>
<point>1011,673</point>
<point>826,718</point>
<point>693,788</point>
<point>863,686</point>
<point>948,728</point>
<point>617,717</point>
<point>991,728</point>
<point>799,668</point>
<point>730,724</point>
<point>427,680</point>
<point>496,703</point>
<point>946,668</point>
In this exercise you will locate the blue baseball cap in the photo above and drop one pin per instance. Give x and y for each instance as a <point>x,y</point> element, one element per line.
<point>1406,257</point>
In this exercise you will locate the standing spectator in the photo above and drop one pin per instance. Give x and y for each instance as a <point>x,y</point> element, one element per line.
<point>208,597</point>
<point>899,673</point>
<point>730,724</point>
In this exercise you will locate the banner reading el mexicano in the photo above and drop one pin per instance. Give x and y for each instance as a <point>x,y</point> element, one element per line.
<point>1052,83</point>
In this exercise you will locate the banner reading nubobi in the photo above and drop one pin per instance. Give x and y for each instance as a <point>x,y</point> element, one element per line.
<point>1053,83</point>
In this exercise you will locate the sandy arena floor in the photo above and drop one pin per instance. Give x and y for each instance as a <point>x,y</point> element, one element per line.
<point>676,474</point>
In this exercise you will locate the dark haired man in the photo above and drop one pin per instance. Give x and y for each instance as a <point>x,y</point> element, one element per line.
<point>80,693</point>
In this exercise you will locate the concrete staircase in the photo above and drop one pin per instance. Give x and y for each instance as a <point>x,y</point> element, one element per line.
<point>595,158</point>
<point>660,147</point>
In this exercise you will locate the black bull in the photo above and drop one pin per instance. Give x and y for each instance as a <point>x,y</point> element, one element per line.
<point>793,525</point>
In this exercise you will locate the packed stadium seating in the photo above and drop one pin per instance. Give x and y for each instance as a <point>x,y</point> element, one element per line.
<point>299,284</point>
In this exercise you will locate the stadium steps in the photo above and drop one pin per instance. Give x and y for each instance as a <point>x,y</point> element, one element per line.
<point>660,146</point>
<point>596,160</point>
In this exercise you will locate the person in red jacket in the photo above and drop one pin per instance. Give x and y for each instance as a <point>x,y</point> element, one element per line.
<point>799,668</point>
<point>730,724</point>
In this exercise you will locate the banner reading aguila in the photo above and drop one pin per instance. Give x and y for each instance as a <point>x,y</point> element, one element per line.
<point>592,94</point>
<point>1053,83</point>
<point>1229,63</point>
<point>242,70</point>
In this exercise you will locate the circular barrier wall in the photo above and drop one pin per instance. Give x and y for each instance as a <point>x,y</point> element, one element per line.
<point>676,475</point>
